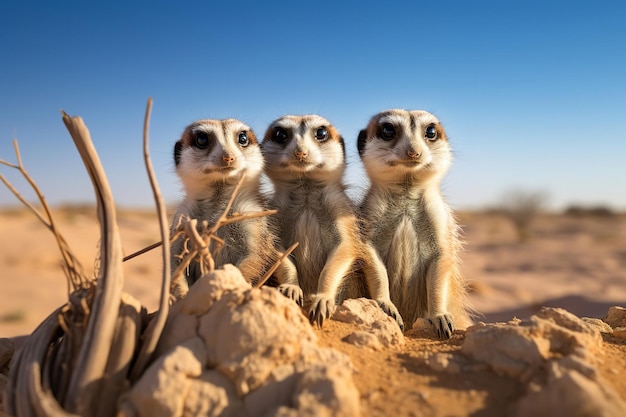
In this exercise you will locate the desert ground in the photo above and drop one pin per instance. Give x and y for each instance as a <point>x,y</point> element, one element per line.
<point>576,262</point>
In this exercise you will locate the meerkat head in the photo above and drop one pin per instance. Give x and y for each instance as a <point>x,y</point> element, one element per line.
<point>212,151</point>
<point>401,144</point>
<point>303,147</point>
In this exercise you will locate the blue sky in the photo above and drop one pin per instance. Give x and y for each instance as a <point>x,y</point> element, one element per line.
<point>532,93</point>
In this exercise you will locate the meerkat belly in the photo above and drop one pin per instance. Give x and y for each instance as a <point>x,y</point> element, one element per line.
<point>401,259</point>
<point>406,252</point>
<point>315,244</point>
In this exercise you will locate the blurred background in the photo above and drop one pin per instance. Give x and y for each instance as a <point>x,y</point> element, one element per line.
<point>531,95</point>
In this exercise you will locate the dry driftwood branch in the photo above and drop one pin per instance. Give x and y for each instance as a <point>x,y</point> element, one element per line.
<point>62,366</point>
<point>72,267</point>
<point>85,383</point>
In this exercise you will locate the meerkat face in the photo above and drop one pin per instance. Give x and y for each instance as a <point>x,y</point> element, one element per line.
<point>212,151</point>
<point>303,146</point>
<point>401,143</point>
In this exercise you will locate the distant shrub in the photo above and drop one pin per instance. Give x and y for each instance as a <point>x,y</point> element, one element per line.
<point>597,211</point>
<point>521,207</point>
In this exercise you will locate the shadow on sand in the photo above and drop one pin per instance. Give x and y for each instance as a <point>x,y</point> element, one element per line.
<point>575,304</point>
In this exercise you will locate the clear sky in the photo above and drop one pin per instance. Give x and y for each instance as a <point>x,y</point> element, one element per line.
<point>532,93</point>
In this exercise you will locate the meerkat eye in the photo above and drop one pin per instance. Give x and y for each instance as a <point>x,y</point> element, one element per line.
<point>243,139</point>
<point>387,131</point>
<point>321,134</point>
<point>280,135</point>
<point>431,132</point>
<point>201,140</point>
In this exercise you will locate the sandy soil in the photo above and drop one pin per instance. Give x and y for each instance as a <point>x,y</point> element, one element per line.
<point>578,263</point>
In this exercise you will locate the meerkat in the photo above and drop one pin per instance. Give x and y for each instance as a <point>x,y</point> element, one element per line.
<point>211,157</point>
<point>406,154</point>
<point>305,161</point>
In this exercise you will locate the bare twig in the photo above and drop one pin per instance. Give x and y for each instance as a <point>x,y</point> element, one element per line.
<point>142,251</point>
<point>274,267</point>
<point>224,215</point>
<point>72,267</point>
<point>158,322</point>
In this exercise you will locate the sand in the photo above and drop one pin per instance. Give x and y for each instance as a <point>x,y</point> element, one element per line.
<point>574,262</point>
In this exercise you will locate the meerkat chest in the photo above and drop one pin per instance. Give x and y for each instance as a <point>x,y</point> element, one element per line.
<point>404,234</point>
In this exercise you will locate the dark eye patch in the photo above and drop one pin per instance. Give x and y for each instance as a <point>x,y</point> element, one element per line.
<point>387,131</point>
<point>280,135</point>
<point>321,134</point>
<point>201,140</point>
<point>242,139</point>
<point>431,132</point>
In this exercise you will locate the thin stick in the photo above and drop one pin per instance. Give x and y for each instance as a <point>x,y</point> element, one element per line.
<point>274,267</point>
<point>234,219</point>
<point>142,251</point>
<point>224,215</point>
<point>158,322</point>
<point>73,269</point>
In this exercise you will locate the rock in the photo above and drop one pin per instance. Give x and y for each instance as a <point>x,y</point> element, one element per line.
<point>326,390</point>
<point>518,350</point>
<point>569,321</point>
<point>364,339</point>
<point>616,317</point>
<point>620,332</point>
<point>569,393</point>
<point>508,350</point>
<point>209,289</point>
<point>599,325</point>
<point>230,350</point>
<point>444,362</point>
<point>553,352</point>
<point>249,334</point>
<point>7,349</point>
<point>212,395</point>
<point>163,388</point>
<point>368,316</point>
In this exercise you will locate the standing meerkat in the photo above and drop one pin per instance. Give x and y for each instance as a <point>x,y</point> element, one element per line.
<point>211,157</point>
<point>406,154</point>
<point>305,161</point>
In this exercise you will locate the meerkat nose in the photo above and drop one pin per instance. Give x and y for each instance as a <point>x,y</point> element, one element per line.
<point>300,153</point>
<point>412,153</point>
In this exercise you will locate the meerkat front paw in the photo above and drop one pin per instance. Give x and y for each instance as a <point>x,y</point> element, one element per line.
<point>292,291</point>
<point>322,307</point>
<point>444,325</point>
<point>391,310</point>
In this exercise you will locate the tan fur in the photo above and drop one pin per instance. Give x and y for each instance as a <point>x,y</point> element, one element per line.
<point>314,210</point>
<point>210,161</point>
<point>408,221</point>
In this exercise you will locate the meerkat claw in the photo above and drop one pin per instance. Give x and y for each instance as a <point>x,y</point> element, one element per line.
<point>444,325</point>
<point>391,311</point>
<point>321,309</point>
<point>293,292</point>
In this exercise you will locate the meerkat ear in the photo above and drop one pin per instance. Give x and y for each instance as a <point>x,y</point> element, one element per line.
<point>360,143</point>
<point>178,148</point>
<point>343,147</point>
